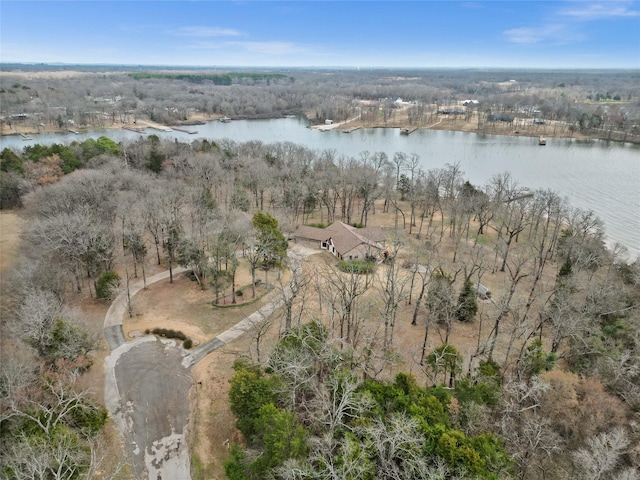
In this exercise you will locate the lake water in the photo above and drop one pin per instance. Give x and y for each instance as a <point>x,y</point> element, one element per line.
<point>596,175</point>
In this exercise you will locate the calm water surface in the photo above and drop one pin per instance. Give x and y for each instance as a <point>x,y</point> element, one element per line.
<point>596,175</point>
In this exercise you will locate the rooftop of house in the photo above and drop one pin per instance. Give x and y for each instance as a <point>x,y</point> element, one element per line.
<point>345,237</point>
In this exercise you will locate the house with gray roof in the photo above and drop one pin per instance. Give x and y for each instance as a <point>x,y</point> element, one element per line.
<point>344,241</point>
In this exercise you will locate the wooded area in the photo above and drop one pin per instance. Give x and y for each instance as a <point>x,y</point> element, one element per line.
<point>402,370</point>
<point>591,103</point>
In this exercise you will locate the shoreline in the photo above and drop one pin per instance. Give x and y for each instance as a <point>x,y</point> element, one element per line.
<point>445,122</point>
<point>452,124</point>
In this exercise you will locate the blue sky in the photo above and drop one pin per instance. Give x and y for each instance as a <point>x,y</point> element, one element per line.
<point>508,34</point>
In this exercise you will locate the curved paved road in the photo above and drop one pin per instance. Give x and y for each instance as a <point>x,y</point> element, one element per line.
<point>147,383</point>
<point>112,327</point>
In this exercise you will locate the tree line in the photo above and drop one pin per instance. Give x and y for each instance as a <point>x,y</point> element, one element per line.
<point>98,99</point>
<point>216,79</point>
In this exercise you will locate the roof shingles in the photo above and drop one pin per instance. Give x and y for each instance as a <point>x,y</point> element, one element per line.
<point>345,237</point>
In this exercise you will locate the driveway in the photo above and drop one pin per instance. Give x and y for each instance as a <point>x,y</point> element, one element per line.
<point>147,383</point>
<point>152,406</point>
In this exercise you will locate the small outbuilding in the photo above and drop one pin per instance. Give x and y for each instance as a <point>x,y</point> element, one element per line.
<point>483,292</point>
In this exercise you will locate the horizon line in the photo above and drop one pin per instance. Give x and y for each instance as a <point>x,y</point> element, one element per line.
<point>302,67</point>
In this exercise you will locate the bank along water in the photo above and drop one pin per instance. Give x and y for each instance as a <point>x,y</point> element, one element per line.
<point>592,174</point>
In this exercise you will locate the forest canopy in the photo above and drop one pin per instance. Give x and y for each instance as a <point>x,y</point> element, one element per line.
<point>216,79</point>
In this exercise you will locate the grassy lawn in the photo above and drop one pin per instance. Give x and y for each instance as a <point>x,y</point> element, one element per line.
<point>185,307</point>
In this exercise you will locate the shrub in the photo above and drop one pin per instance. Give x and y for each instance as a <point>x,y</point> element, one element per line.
<point>168,333</point>
<point>318,225</point>
<point>107,283</point>
<point>235,466</point>
<point>188,343</point>
<point>89,417</point>
<point>68,340</point>
<point>10,162</point>
<point>12,187</point>
<point>356,266</point>
<point>468,390</point>
<point>250,390</point>
<point>536,360</point>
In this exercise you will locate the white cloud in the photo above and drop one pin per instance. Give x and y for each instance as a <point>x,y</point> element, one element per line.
<point>203,45</point>
<point>199,31</point>
<point>269,48</point>
<point>601,10</point>
<point>523,35</point>
<point>556,33</point>
<point>566,28</point>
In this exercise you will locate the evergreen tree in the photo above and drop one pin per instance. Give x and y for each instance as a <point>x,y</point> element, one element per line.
<point>467,303</point>
<point>271,242</point>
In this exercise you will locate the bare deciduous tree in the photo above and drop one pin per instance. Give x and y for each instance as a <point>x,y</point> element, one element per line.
<point>602,454</point>
<point>343,291</point>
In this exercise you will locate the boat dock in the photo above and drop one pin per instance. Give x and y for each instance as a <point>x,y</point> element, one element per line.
<point>408,131</point>
<point>135,129</point>
<point>156,126</point>
<point>190,132</point>
<point>162,128</point>
<point>26,137</point>
<point>349,130</point>
<point>73,131</point>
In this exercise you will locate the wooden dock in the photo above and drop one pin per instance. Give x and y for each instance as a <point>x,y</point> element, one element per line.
<point>74,131</point>
<point>408,131</point>
<point>135,129</point>
<point>161,128</point>
<point>349,130</point>
<point>190,132</point>
<point>155,126</point>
